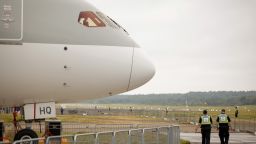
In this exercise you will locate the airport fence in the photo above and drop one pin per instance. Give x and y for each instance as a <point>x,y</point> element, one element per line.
<point>187,117</point>
<point>244,125</point>
<point>159,135</point>
<point>187,123</point>
<point>72,128</point>
<point>30,141</point>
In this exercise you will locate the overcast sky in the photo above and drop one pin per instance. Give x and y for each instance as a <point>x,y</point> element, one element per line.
<point>196,45</point>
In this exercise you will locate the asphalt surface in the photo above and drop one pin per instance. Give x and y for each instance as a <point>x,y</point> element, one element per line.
<point>235,138</point>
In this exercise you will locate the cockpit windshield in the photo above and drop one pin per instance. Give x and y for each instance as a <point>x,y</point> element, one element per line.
<point>90,19</point>
<point>98,19</point>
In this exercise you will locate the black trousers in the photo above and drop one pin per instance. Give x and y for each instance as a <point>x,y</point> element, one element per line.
<point>224,135</point>
<point>206,135</point>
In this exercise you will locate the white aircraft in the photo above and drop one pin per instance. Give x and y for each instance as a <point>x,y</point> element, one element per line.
<point>64,51</point>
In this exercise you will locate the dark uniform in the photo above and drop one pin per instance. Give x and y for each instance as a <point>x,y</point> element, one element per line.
<point>223,121</point>
<point>236,113</point>
<point>205,121</point>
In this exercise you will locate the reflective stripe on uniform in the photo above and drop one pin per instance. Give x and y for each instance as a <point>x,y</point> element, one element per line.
<point>205,120</point>
<point>223,118</point>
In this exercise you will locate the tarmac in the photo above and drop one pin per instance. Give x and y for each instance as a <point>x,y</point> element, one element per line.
<point>235,138</point>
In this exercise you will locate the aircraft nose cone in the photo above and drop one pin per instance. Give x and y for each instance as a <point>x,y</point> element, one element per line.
<point>142,70</point>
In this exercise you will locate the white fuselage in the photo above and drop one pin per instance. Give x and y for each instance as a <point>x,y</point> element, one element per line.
<point>35,72</point>
<point>50,53</point>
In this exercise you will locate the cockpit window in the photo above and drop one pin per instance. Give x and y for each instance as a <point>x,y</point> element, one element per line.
<point>90,19</point>
<point>110,22</point>
<point>117,24</point>
<point>98,19</point>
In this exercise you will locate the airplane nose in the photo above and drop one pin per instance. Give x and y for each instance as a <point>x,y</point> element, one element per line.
<point>142,69</point>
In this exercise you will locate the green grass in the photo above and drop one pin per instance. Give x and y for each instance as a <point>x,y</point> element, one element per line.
<point>8,117</point>
<point>184,141</point>
<point>106,119</point>
<point>153,113</point>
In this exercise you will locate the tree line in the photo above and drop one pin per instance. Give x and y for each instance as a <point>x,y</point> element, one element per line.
<point>191,98</point>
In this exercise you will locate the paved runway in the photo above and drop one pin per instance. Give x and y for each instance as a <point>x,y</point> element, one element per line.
<point>235,138</point>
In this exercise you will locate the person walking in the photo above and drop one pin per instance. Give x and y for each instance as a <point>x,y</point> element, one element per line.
<point>62,110</point>
<point>236,112</point>
<point>205,122</point>
<point>223,121</point>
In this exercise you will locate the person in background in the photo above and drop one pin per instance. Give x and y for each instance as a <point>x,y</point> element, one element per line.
<point>236,112</point>
<point>223,121</point>
<point>205,122</point>
<point>62,110</point>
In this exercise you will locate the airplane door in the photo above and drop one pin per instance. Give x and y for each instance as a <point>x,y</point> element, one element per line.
<point>11,21</point>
